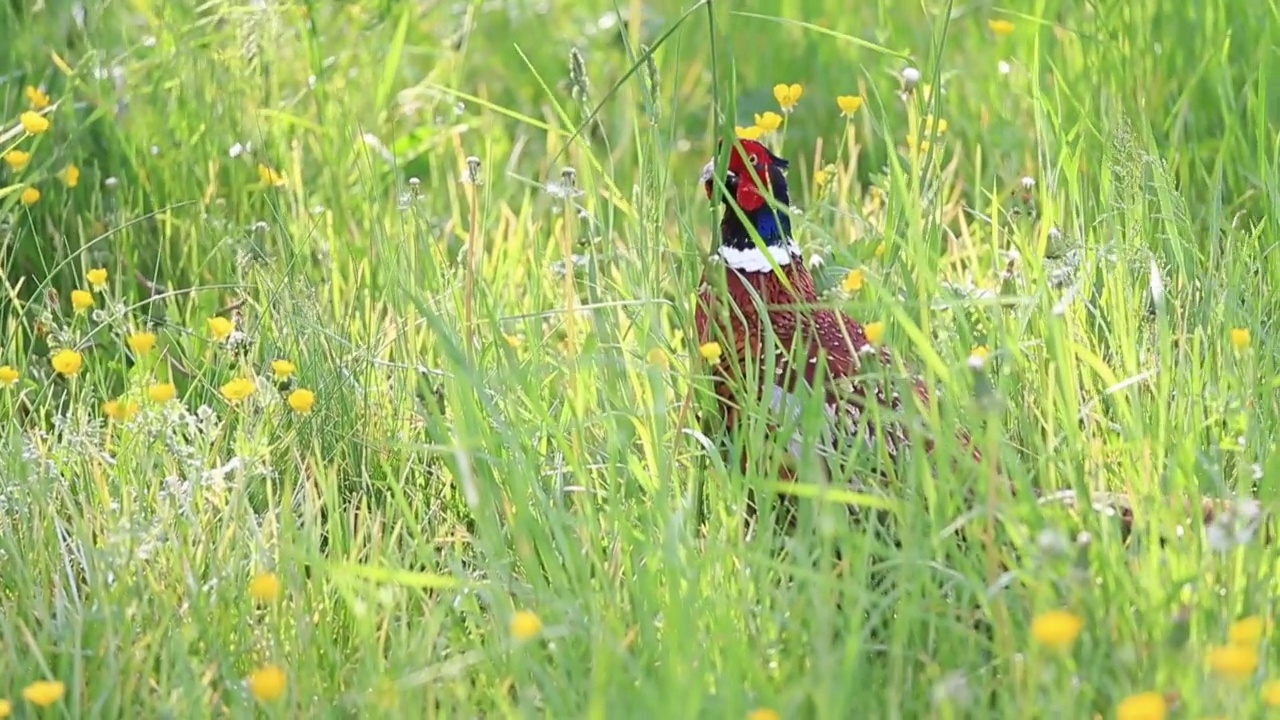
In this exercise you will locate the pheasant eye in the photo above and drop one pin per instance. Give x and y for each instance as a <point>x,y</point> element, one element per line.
<point>755,159</point>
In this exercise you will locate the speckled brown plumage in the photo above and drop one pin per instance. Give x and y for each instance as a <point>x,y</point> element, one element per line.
<point>743,297</point>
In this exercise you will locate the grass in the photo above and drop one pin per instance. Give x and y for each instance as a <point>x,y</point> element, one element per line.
<point>493,436</point>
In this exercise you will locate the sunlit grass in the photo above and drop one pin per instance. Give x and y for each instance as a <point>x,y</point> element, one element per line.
<point>347,368</point>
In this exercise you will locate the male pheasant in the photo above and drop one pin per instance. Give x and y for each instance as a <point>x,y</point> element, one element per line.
<point>769,289</point>
<point>751,290</point>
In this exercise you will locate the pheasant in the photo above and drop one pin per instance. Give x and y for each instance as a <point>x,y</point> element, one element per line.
<point>750,290</point>
<point>768,288</point>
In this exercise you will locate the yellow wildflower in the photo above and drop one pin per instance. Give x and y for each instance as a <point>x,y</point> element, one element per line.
<point>37,97</point>
<point>980,353</point>
<point>1056,629</point>
<point>30,196</point>
<point>237,389</point>
<point>141,343</point>
<point>820,178</point>
<point>710,352</point>
<point>270,177</point>
<point>788,96</point>
<point>162,392</point>
<point>1240,338</point>
<point>763,714</point>
<point>752,132</point>
<point>33,122</point>
<point>1143,706</point>
<point>301,400</point>
<point>513,341</point>
<point>9,375</point>
<point>70,175</point>
<point>97,278</point>
<point>854,281</point>
<point>67,362</point>
<point>17,160</point>
<point>525,625</point>
<point>1271,693</point>
<point>268,683</point>
<point>44,693</point>
<point>6,709</point>
<point>120,410</point>
<point>938,127</point>
<point>768,121</point>
<point>81,300</point>
<point>849,104</point>
<point>283,369</point>
<point>874,332</point>
<point>265,587</point>
<point>1233,662</point>
<point>1248,631</point>
<point>220,328</point>
<point>1002,28</point>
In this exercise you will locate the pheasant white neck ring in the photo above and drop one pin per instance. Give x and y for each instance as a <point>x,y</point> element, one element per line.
<point>753,259</point>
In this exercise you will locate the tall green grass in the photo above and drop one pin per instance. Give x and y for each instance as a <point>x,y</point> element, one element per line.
<point>481,257</point>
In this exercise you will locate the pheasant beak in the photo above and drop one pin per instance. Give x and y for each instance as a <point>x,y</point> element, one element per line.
<point>708,178</point>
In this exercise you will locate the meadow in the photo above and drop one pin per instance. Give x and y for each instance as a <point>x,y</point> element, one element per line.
<point>347,369</point>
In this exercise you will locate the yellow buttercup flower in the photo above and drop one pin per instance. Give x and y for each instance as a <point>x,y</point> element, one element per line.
<point>283,369</point>
<point>70,175</point>
<point>820,178</point>
<point>36,97</point>
<point>67,362</point>
<point>710,352</point>
<point>854,281</point>
<point>874,332</point>
<point>141,343</point>
<point>1271,693</point>
<point>6,709</point>
<point>237,389</point>
<point>265,587</point>
<point>81,300</point>
<point>1240,338</point>
<point>763,714</point>
<point>849,104</point>
<point>1143,706</point>
<point>1002,28</point>
<point>9,375</point>
<point>268,683</point>
<point>748,133</point>
<point>1056,629</point>
<point>768,121</point>
<point>1248,631</point>
<point>17,160</point>
<point>220,328</point>
<point>788,96</point>
<point>120,410</point>
<point>97,278</point>
<point>30,196</point>
<point>162,392</point>
<point>270,177</point>
<point>301,400</point>
<point>33,122</point>
<point>1233,662</point>
<point>44,693</point>
<point>525,625</point>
